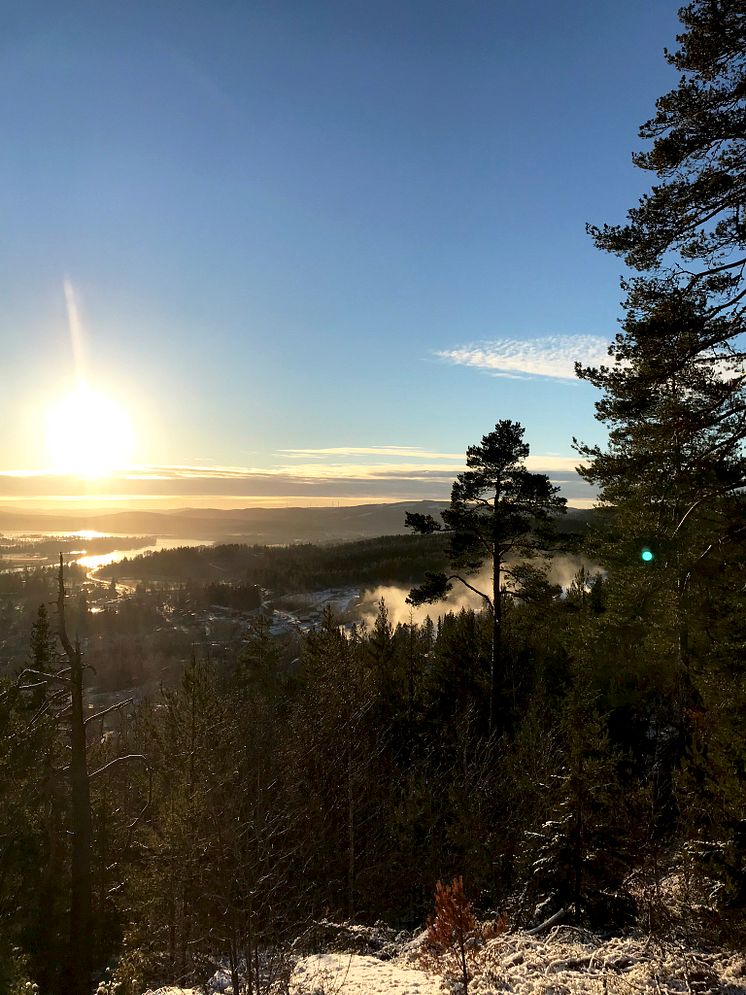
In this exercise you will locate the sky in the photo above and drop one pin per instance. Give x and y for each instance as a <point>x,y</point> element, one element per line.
<point>254,252</point>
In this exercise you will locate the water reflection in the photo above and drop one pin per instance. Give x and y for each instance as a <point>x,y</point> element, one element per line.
<point>95,561</point>
<point>90,548</point>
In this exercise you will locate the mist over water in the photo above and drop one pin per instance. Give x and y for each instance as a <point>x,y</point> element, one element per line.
<point>563,568</point>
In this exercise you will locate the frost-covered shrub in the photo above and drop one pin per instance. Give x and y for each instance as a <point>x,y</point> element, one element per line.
<point>14,977</point>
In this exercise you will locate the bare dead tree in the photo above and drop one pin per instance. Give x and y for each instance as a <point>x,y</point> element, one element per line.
<point>64,701</point>
<point>81,904</point>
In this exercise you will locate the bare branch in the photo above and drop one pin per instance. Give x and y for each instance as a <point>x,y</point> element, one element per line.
<point>471,587</point>
<point>729,303</point>
<point>110,708</point>
<point>547,923</point>
<point>145,807</point>
<point>688,513</point>
<point>713,270</point>
<point>118,760</point>
<point>62,628</point>
<point>44,675</point>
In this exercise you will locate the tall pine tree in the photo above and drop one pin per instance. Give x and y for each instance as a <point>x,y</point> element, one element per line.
<point>674,400</point>
<point>500,513</point>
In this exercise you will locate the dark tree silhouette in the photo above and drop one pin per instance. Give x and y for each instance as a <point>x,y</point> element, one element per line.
<point>499,512</point>
<point>674,400</point>
<point>688,232</point>
<point>81,912</point>
<point>675,394</point>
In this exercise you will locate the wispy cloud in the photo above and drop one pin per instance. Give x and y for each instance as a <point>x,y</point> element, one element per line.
<point>408,452</point>
<point>551,464</point>
<point>332,466</point>
<point>553,356</point>
<point>382,480</point>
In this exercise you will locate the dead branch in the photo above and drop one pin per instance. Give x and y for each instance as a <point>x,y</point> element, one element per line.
<point>45,677</point>
<point>118,760</point>
<point>547,923</point>
<point>471,587</point>
<point>109,708</point>
<point>62,628</point>
<point>145,807</point>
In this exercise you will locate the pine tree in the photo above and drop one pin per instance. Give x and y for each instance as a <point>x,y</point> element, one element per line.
<point>688,232</point>
<point>453,928</point>
<point>674,399</point>
<point>499,512</point>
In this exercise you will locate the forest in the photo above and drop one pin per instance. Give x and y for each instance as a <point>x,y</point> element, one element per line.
<point>573,755</point>
<point>286,569</point>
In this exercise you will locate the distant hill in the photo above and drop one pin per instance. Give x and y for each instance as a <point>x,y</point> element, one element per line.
<point>264,526</point>
<point>249,525</point>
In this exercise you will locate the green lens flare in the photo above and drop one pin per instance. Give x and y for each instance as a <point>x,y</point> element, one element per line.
<point>647,555</point>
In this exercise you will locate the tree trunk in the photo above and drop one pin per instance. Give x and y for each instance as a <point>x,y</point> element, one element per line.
<point>234,958</point>
<point>350,838</point>
<point>464,968</point>
<point>496,653</point>
<point>81,916</point>
<point>496,665</point>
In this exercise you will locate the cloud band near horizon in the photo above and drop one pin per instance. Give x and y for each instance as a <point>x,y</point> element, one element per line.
<point>386,481</point>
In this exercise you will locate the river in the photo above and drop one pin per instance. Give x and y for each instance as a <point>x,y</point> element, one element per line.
<point>20,550</point>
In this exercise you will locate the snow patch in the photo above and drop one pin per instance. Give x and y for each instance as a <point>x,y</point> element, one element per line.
<point>564,961</point>
<point>351,974</point>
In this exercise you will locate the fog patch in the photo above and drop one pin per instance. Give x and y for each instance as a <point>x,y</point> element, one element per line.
<point>400,613</point>
<point>561,570</point>
<point>564,567</point>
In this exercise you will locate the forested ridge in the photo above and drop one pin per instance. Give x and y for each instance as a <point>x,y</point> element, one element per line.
<point>288,569</point>
<point>573,755</point>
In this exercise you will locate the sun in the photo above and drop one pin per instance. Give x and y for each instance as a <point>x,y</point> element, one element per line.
<point>89,434</point>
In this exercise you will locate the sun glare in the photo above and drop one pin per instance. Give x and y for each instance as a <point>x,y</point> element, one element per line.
<point>89,434</point>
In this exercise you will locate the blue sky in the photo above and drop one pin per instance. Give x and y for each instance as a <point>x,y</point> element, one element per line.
<point>298,234</point>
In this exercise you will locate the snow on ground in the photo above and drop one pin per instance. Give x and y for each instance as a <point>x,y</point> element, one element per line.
<point>353,974</point>
<point>571,962</point>
<point>565,961</point>
<point>171,990</point>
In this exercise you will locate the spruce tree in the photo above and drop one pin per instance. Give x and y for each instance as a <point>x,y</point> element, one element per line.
<point>579,863</point>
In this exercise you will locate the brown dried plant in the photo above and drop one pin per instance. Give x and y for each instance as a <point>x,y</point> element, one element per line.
<point>454,937</point>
